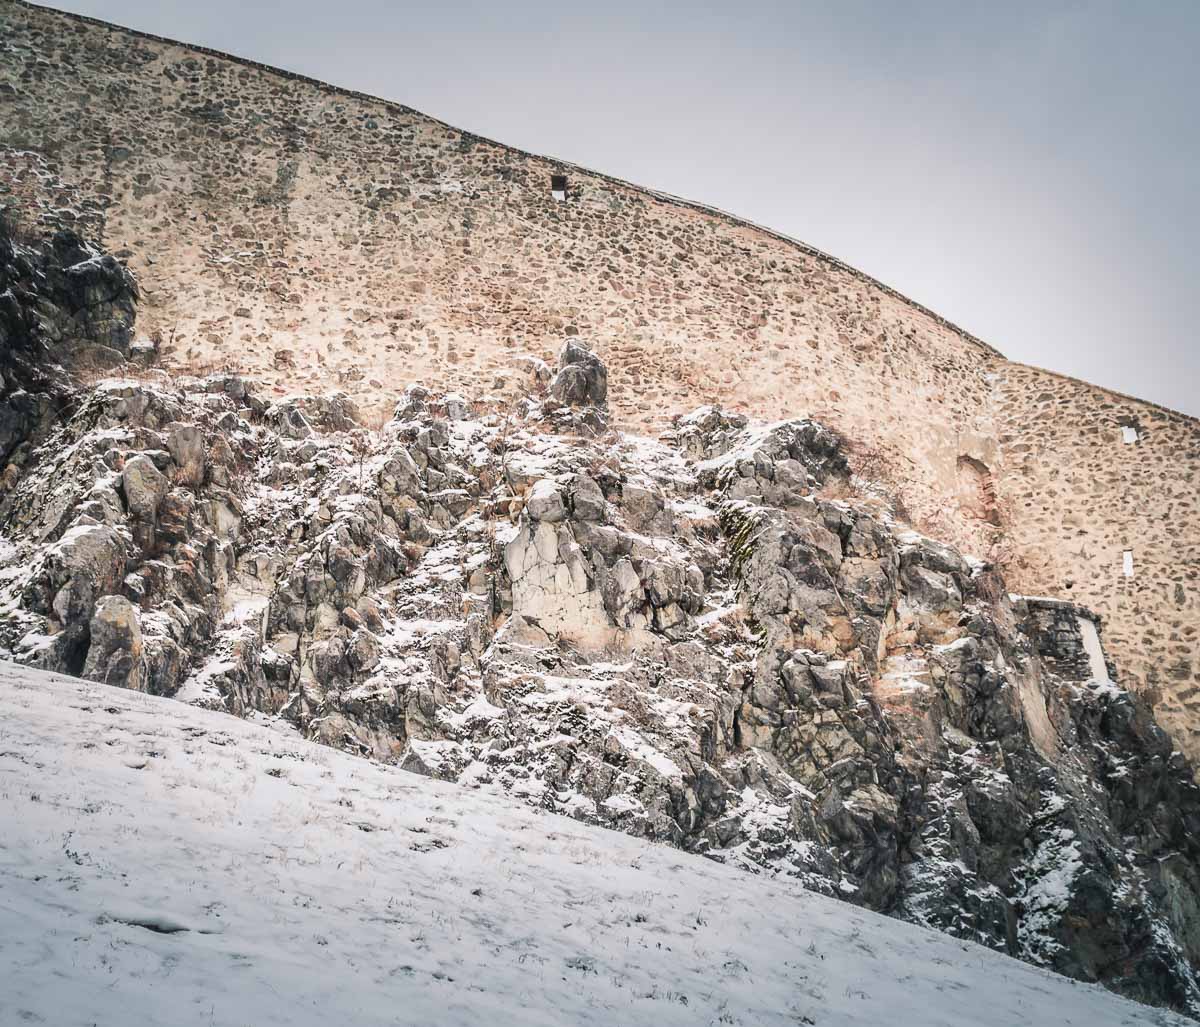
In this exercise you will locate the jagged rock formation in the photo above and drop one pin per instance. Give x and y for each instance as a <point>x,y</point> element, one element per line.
<point>723,639</point>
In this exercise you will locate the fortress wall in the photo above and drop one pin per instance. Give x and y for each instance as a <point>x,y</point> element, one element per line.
<point>1079,496</point>
<point>310,236</point>
<point>319,238</point>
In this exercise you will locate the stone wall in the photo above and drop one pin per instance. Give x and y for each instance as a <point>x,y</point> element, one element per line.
<point>305,234</point>
<point>313,236</point>
<point>1079,496</point>
<point>1057,629</point>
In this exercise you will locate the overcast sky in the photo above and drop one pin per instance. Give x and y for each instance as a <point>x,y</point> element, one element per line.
<point>1029,170</point>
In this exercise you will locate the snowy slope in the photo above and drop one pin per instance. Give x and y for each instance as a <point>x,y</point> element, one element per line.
<point>161,864</point>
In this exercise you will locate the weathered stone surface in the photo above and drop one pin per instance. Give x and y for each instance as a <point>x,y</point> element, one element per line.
<point>186,445</point>
<point>587,498</point>
<point>114,653</point>
<point>545,502</point>
<point>86,563</point>
<point>144,486</point>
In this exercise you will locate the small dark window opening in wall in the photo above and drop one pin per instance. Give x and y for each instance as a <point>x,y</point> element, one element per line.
<point>558,187</point>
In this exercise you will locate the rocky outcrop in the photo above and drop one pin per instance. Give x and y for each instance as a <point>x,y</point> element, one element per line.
<point>60,302</point>
<point>710,639</point>
<point>64,301</point>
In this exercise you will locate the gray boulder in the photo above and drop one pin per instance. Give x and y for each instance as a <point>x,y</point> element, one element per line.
<point>545,502</point>
<point>582,377</point>
<point>114,655</point>
<point>145,486</point>
<point>186,445</point>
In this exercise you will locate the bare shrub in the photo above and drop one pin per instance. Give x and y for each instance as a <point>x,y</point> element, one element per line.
<point>360,447</point>
<point>874,475</point>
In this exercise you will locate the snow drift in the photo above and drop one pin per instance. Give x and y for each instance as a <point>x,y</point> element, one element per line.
<point>164,864</point>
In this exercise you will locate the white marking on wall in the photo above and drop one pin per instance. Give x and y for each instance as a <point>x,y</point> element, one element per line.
<point>1129,434</point>
<point>1127,563</point>
<point>1095,652</point>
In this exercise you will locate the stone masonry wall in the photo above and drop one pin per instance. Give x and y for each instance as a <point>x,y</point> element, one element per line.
<point>312,237</point>
<point>304,234</point>
<point>1080,496</point>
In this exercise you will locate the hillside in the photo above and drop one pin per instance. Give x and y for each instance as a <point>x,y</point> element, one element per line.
<point>162,864</point>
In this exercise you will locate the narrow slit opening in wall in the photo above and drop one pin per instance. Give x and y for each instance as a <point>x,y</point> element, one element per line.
<point>558,187</point>
<point>1127,563</point>
<point>1129,434</point>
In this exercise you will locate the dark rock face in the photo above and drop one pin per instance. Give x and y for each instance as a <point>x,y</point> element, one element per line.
<point>686,639</point>
<point>60,303</point>
<point>24,383</point>
<point>65,300</point>
<point>98,294</point>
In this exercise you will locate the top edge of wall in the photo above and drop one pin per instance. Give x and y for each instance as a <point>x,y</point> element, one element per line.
<point>1116,393</point>
<point>656,194</point>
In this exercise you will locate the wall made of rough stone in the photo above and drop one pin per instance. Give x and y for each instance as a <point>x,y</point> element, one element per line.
<point>312,237</point>
<point>306,235</point>
<point>1078,496</point>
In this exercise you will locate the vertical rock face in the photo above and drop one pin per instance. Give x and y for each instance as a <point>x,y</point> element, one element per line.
<point>60,301</point>
<point>722,639</point>
<point>65,301</point>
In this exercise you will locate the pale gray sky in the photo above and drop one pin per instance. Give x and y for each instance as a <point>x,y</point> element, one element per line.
<point>1029,170</point>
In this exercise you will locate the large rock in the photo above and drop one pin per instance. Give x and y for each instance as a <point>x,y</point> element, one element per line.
<point>186,445</point>
<point>582,378</point>
<point>145,486</point>
<point>552,588</point>
<point>79,304</point>
<point>87,562</point>
<point>114,655</point>
<point>545,502</point>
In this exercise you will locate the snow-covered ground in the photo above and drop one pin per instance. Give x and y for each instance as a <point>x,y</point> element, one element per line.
<point>162,864</point>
